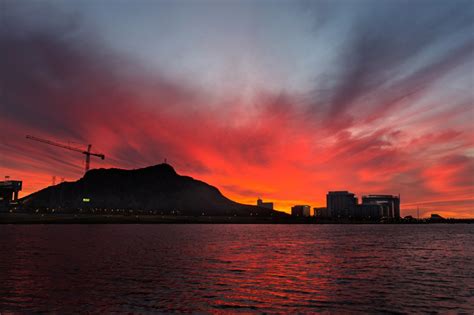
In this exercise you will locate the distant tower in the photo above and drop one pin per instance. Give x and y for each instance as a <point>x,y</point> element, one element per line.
<point>341,203</point>
<point>53,180</point>
<point>268,205</point>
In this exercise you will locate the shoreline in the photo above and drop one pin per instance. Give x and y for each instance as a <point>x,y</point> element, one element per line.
<point>60,218</point>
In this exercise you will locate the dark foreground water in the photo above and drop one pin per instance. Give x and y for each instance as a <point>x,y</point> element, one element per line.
<point>217,268</point>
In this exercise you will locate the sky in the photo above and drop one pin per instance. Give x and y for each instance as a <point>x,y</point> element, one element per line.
<point>282,100</point>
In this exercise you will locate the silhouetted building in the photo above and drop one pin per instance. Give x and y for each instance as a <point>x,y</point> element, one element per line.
<point>390,205</point>
<point>301,211</point>
<point>340,204</point>
<point>321,212</point>
<point>9,193</point>
<point>267,205</point>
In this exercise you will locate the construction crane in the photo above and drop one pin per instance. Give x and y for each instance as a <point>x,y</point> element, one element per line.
<point>87,152</point>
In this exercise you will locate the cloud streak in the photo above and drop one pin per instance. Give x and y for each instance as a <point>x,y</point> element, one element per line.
<point>376,122</point>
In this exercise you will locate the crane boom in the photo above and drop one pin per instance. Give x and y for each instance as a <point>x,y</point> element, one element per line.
<point>87,152</point>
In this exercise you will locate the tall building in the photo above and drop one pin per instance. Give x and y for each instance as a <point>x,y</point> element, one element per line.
<point>267,205</point>
<point>341,204</point>
<point>301,211</point>
<point>390,205</point>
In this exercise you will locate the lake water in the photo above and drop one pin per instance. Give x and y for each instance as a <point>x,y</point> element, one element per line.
<point>237,268</point>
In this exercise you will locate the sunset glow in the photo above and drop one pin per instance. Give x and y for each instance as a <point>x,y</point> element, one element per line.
<point>268,108</point>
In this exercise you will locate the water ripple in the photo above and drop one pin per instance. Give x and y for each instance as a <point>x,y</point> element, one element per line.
<point>237,268</point>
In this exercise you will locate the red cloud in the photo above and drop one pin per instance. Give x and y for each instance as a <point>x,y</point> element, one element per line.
<point>276,146</point>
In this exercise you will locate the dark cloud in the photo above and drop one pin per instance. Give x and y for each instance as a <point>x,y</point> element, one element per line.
<point>380,57</point>
<point>66,84</point>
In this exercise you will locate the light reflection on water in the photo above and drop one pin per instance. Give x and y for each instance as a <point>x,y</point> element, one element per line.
<point>215,268</point>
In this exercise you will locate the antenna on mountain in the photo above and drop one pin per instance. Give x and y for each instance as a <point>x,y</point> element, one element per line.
<point>165,161</point>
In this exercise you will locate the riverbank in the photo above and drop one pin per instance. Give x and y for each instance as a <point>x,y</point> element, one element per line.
<point>61,218</point>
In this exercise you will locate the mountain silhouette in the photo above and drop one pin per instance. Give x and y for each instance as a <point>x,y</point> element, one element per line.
<point>155,188</point>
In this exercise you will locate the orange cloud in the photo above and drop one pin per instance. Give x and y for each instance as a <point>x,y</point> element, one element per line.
<point>274,147</point>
